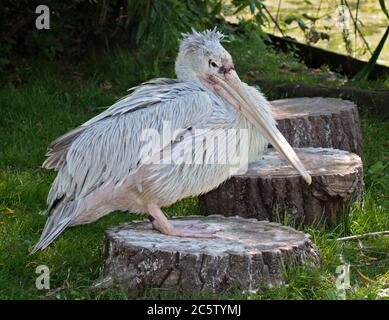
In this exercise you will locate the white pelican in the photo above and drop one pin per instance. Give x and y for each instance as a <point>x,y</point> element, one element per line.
<point>102,166</point>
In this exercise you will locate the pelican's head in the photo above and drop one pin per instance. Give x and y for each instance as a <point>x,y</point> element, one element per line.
<point>201,56</point>
<point>203,59</point>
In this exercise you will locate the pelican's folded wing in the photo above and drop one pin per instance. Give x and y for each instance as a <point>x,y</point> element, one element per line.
<point>108,147</point>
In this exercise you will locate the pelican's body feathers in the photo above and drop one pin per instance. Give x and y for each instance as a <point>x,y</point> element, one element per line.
<point>103,165</point>
<point>97,161</point>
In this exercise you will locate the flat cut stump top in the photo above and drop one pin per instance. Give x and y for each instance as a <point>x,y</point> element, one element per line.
<point>272,189</point>
<point>245,254</point>
<point>304,107</point>
<point>317,161</point>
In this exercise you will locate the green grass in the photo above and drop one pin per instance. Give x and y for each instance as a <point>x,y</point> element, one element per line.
<point>52,99</point>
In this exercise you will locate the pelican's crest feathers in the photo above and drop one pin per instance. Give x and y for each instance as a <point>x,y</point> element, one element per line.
<point>201,40</point>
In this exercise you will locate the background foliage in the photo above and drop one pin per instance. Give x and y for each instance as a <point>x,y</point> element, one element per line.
<point>79,26</point>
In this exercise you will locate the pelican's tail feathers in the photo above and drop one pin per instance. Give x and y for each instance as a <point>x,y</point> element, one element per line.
<point>60,216</point>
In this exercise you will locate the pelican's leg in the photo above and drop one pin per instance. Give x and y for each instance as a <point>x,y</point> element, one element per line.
<point>162,224</point>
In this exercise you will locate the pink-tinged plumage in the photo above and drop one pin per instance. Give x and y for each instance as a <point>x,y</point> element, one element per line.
<point>101,164</point>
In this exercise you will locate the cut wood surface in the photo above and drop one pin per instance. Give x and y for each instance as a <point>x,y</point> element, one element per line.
<point>271,189</point>
<point>319,122</point>
<point>244,255</point>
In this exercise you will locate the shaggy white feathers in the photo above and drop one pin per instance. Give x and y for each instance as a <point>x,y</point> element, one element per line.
<point>196,50</point>
<point>97,162</point>
<point>109,149</point>
<point>206,40</point>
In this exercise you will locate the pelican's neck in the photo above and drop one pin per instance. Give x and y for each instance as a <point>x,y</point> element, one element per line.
<point>188,75</point>
<point>185,72</point>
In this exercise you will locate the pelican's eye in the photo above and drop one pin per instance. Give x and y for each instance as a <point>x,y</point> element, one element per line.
<point>212,63</point>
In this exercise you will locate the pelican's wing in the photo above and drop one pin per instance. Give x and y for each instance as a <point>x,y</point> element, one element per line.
<point>108,147</point>
<point>145,95</point>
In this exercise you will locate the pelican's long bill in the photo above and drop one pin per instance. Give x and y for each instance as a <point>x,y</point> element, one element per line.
<point>230,87</point>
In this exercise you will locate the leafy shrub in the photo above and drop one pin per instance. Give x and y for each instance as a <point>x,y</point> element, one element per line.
<point>76,26</point>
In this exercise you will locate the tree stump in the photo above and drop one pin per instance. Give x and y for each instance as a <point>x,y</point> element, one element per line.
<point>244,255</point>
<point>319,122</point>
<point>271,189</point>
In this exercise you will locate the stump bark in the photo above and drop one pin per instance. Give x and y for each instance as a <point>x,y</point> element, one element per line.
<point>319,122</point>
<point>271,189</point>
<point>244,255</point>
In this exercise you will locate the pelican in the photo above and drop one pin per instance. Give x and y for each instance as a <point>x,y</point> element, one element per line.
<point>102,166</point>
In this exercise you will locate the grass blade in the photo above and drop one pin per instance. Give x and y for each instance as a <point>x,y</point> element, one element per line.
<point>366,70</point>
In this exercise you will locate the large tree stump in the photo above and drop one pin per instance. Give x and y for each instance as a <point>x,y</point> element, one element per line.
<point>244,255</point>
<point>319,122</point>
<point>271,189</point>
